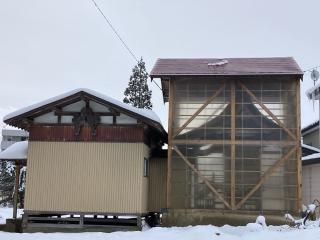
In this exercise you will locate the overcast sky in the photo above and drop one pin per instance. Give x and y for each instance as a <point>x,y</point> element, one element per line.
<point>50,47</point>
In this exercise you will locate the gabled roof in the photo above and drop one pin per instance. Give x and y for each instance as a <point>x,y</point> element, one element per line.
<point>308,150</point>
<point>311,159</point>
<point>310,127</point>
<point>311,148</point>
<point>145,115</point>
<point>225,66</point>
<point>16,152</point>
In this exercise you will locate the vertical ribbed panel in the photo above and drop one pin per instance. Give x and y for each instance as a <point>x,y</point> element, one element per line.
<point>157,184</point>
<point>86,177</point>
<point>310,183</point>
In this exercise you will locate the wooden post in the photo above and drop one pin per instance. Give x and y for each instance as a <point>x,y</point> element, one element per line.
<point>298,132</point>
<point>233,146</point>
<point>81,222</point>
<point>170,140</point>
<point>16,188</point>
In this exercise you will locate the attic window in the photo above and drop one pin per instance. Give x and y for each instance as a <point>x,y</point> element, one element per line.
<point>219,62</point>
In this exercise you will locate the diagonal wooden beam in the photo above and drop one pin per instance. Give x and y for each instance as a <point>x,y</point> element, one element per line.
<point>203,178</point>
<point>266,175</point>
<point>267,110</point>
<point>209,100</point>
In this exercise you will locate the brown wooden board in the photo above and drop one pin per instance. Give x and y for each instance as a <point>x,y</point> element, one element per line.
<point>104,133</point>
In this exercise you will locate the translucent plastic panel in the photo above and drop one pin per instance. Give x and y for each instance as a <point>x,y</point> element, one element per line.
<point>260,142</point>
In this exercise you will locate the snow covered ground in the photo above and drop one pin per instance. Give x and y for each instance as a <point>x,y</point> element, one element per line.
<point>252,231</point>
<point>7,213</point>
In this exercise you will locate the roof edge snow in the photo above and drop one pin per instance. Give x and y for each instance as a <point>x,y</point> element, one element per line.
<point>145,113</point>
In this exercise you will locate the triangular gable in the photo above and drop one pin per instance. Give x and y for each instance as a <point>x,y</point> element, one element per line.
<point>46,111</point>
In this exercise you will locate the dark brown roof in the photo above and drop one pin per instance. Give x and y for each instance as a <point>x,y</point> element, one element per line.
<point>226,66</point>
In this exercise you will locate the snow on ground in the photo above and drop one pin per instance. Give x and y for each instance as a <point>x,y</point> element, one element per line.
<point>6,212</point>
<point>252,231</point>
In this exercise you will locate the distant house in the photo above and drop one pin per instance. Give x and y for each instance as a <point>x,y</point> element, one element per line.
<point>10,136</point>
<point>311,178</point>
<point>233,137</point>
<point>310,163</point>
<point>310,134</point>
<point>90,155</point>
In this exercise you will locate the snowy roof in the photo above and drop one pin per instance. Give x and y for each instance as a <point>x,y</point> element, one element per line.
<point>310,147</point>
<point>17,151</point>
<point>149,114</point>
<point>311,156</point>
<point>310,126</point>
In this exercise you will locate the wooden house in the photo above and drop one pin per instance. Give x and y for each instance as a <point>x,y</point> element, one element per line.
<point>89,154</point>
<point>233,137</point>
<point>310,163</point>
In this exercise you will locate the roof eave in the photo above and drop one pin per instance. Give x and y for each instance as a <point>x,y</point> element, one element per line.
<point>14,121</point>
<point>162,75</point>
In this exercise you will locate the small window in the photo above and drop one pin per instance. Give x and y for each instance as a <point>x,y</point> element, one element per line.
<point>146,167</point>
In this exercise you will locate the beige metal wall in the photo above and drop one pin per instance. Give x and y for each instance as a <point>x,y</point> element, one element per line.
<point>157,184</point>
<point>310,183</point>
<point>86,177</point>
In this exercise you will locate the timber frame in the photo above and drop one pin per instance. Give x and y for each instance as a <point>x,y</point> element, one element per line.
<point>25,120</point>
<point>294,144</point>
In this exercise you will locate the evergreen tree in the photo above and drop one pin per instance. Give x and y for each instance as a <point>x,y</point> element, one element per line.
<point>137,93</point>
<point>6,183</point>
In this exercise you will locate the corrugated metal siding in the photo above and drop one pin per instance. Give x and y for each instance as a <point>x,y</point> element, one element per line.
<point>157,184</point>
<point>86,177</point>
<point>310,183</point>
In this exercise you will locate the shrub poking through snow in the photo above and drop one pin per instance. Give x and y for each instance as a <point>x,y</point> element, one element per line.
<point>261,220</point>
<point>307,213</point>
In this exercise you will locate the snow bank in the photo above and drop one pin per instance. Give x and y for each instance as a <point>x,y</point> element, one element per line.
<point>186,233</point>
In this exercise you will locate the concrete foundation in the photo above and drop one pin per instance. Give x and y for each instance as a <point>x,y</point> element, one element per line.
<point>186,217</point>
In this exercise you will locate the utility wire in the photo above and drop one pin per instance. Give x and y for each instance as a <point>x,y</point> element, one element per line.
<point>156,84</point>
<point>115,31</point>
<point>310,69</point>
<point>118,35</point>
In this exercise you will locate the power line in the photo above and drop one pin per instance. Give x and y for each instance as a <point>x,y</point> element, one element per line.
<point>156,84</point>
<point>119,37</point>
<point>310,69</point>
<point>115,31</point>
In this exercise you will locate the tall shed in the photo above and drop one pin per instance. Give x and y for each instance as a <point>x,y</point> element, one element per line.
<point>87,154</point>
<point>234,135</point>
